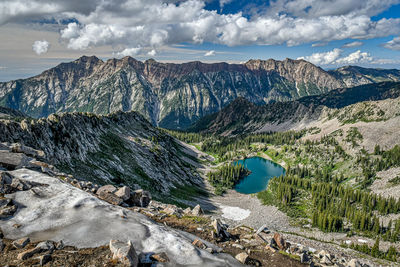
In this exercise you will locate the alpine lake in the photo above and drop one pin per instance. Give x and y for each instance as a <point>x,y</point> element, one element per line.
<point>262,170</point>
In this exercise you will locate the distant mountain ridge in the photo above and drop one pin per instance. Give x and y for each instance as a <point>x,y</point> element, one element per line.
<point>242,116</point>
<point>173,95</point>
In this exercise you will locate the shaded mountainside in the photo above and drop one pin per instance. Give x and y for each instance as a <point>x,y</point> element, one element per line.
<point>243,116</point>
<point>120,148</point>
<point>7,113</point>
<point>168,95</point>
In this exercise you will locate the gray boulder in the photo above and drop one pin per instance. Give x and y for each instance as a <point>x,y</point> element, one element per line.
<point>140,198</point>
<point>21,243</point>
<point>124,193</point>
<point>124,253</point>
<point>106,188</point>
<point>12,161</point>
<point>197,210</point>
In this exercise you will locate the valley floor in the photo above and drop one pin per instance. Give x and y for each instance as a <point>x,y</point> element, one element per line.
<point>238,209</point>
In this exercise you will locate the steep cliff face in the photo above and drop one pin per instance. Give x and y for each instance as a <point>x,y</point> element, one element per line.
<point>121,148</point>
<point>168,95</point>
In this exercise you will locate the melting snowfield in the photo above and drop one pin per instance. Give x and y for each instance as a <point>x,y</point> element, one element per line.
<point>60,211</point>
<point>234,213</point>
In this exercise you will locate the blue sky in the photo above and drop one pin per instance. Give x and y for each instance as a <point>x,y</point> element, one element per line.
<point>39,34</point>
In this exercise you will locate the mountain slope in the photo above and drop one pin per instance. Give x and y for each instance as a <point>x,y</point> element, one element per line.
<point>243,116</point>
<point>169,95</point>
<point>120,148</point>
<point>7,113</point>
<point>354,75</point>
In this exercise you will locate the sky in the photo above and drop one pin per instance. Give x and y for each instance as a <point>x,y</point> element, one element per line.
<point>39,34</point>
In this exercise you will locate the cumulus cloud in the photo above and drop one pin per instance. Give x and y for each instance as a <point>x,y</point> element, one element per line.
<point>352,44</point>
<point>210,53</point>
<point>129,52</point>
<point>156,23</point>
<point>393,44</point>
<point>324,58</point>
<point>152,53</point>
<point>318,8</point>
<point>356,57</point>
<point>40,47</point>
<point>335,57</point>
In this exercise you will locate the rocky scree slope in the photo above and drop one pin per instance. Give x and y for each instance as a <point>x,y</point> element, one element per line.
<point>120,148</point>
<point>242,116</point>
<point>169,95</point>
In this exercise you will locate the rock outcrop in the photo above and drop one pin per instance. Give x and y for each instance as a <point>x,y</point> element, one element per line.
<point>121,148</point>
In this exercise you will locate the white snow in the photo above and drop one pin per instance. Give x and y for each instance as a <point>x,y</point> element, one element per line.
<point>234,213</point>
<point>60,211</point>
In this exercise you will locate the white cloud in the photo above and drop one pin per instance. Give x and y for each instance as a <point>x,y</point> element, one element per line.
<point>129,52</point>
<point>320,44</point>
<point>210,53</point>
<point>156,23</point>
<point>324,58</point>
<point>40,47</point>
<point>335,57</point>
<point>356,57</point>
<point>318,8</point>
<point>393,44</point>
<point>152,53</point>
<point>352,44</point>
<point>2,67</point>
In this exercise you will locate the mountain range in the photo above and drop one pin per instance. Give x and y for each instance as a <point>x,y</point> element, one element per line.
<point>174,95</point>
<point>347,105</point>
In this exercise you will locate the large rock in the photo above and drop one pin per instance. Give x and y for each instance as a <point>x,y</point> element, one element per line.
<point>160,257</point>
<point>46,246</point>
<point>12,161</point>
<point>197,210</point>
<point>280,242</point>
<point>21,243</point>
<point>262,229</point>
<point>18,148</point>
<point>242,257</point>
<point>354,263</point>
<point>220,229</point>
<point>106,188</point>
<point>124,253</point>
<point>7,211</point>
<point>110,198</point>
<point>28,253</point>
<point>124,193</point>
<point>41,247</point>
<point>140,198</point>
<point>172,210</point>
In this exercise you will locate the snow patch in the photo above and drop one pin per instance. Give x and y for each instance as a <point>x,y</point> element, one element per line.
<point>234,213</point>
<point>60,211</point>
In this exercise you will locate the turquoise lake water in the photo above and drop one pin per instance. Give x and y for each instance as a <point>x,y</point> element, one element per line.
<point>261,171</point>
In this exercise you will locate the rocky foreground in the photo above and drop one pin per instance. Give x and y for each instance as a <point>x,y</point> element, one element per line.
<point>48,218</point>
